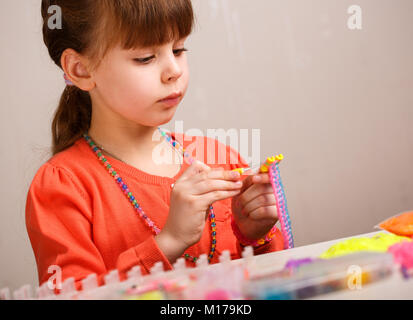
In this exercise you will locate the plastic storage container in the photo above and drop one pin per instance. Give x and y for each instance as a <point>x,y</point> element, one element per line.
<point>324,276</point>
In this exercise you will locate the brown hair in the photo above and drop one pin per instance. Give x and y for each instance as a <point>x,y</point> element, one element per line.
<point>91,28</point>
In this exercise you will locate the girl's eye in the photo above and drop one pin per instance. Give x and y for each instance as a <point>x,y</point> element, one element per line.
<point>177,52</point>
<point>144,60</point>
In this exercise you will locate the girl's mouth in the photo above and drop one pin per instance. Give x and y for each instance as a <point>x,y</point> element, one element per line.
<point>172,100</point>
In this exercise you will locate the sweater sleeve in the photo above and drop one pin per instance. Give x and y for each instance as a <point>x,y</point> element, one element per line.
<point>59,221</point>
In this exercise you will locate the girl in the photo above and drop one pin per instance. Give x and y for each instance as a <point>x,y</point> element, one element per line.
<point>103,201</point>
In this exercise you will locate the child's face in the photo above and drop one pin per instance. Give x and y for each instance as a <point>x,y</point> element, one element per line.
<point>131,89</point>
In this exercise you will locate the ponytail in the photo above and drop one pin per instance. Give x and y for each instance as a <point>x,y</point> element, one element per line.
<point>72,118</point>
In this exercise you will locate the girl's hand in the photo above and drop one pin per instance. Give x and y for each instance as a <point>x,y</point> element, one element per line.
<point>193,193</point>
<point>254,209</point>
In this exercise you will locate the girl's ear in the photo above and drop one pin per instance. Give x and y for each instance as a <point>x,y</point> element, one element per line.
<point>76,68</point>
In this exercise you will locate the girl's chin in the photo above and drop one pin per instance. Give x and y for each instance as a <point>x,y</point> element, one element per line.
<point>166,117</point>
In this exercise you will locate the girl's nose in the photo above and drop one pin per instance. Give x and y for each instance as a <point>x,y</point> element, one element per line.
<point>172,71</point>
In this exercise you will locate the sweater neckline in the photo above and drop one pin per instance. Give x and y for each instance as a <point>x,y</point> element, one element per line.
<point>129,170</point>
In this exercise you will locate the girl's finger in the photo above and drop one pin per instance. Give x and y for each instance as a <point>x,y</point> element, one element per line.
<point>261,178</point>
<point>254,191</point>
<point>263,200</point>
<point>246,183</point>
<point>211,197</point>
<point>217,174</point>
<point>210,185</point>
<point>255,179</point>
<point>264,213</point>
<point>194,169</point>
<point>224,175</point>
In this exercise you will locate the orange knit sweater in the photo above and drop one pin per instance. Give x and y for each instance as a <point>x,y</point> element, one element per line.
<point>78,218</point>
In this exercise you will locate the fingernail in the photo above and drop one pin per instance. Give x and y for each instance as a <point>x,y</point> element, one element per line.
<point>235,174</point>
<point>257,178</point>
<point>238,183</point>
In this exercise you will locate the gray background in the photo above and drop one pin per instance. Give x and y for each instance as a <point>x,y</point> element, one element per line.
<point>336,102</point>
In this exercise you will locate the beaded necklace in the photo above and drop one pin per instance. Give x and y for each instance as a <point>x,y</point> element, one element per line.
<point>124,188</point>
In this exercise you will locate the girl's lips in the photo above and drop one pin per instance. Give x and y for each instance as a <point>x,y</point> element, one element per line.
<point>173,96</point>
<point>171,102</point>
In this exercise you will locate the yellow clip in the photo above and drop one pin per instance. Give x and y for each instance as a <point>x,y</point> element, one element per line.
<point>270,160</point>
<point>264,167</point>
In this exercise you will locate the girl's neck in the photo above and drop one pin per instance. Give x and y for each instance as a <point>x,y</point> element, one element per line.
<point>136,148</point>
<point>126,142</point>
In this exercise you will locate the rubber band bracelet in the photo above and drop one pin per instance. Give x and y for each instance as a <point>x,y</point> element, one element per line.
<point>249,242</point>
